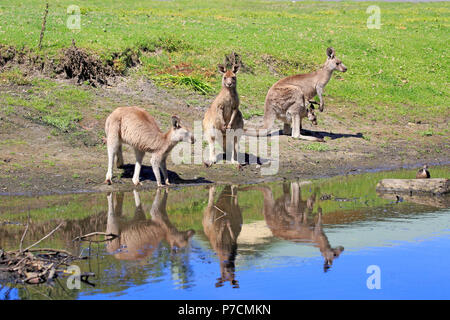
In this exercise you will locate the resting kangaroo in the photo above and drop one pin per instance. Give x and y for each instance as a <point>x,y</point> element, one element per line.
<point>287,218</point>
<point>224,114</point>
<point>141,236</point>
<point>222,223</point>
<point>287,99</point>
<point>136,127</point>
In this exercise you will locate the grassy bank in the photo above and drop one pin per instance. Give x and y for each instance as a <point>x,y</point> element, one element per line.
<point>397,73</point>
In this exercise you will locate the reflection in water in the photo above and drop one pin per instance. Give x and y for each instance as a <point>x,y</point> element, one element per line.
<point>288,218</point>
<point>222,222</point>
<point>157,255</point>
<point>138,238</point>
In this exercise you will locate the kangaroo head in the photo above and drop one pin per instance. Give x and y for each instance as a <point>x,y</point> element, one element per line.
<point>180,133</point>
<point>330,255</point>
<point>178,240</point>
<point>334,63</point>
<point>229,76</point>
<point>312,116</point>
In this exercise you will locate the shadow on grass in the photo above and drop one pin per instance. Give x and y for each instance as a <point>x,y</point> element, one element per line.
<point>331,135</point>
<point>320,134</point>
<point>147,174</point>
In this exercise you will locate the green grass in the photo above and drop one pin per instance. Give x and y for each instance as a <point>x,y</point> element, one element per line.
<point>316,146</point>
<point>14,76</point>
<point>399,71</point>
<point>249,113</point>
<point>426,133</point>
<point>59,106</point>
<point>185,81</point>
<point>11,142</point>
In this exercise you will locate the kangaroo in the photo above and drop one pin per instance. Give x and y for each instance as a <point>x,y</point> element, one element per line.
<point>222,223</point>
<point>287,99</point>
<point>223,115</point>
<point>140,237</point>
<point>287,218</point>
<point>136,127</point>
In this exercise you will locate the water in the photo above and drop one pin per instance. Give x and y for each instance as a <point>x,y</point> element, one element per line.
<point>285,240</point>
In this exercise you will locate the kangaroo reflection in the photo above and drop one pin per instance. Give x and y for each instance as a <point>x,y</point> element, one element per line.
<point>222,223</point>
<point>288,218</point>
<point>138,238</point>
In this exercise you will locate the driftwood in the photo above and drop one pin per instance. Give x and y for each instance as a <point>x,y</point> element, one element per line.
<point>435,186</point>
<point>87,237</point>
<point>36,265</point>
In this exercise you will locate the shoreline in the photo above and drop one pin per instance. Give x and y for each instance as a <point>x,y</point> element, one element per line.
<point>129,187</point>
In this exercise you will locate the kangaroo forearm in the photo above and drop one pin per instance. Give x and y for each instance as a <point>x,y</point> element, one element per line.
<point>233,115</point>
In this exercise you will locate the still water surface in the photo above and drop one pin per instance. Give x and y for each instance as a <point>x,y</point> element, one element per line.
<point>286,240</point>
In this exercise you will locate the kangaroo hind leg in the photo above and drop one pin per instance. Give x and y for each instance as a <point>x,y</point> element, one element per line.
<point>113,146</point>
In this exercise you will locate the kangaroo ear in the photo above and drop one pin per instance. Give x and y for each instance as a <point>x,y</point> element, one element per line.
<point>221,68</point>
<point>330,52</point>
<point>175,122</point>
<point>236,68</point>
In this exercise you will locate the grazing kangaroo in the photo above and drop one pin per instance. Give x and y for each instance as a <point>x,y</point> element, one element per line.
<point>136,127</point>
<point>287,218</point>
<point>138,238</point>
<point>222,223</point>
<point>223,115</point>
<point>287,99</point>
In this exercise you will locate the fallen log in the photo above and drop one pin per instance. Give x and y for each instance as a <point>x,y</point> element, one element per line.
<point>426,199</point>
<point>436,186</point>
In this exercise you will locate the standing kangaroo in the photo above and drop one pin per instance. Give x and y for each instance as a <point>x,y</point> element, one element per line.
<point>141,236</point>
<point>223,115</point>
<point>136,127</point>
<point>287,218</point>
<point>222,224</point>
<point>287,99</point>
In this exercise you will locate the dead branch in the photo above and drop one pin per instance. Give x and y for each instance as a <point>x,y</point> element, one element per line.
<point>25,232</point>
<point>48,235</point>
<point>84,237</point>
<point>44,22</point>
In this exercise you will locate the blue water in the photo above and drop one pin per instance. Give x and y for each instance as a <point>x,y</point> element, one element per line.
<point>415,269</point>
<point>408,243</point>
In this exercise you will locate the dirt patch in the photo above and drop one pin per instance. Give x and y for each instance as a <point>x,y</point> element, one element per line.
<point>283,67</point>
<point>7,53</point>
<point>11,56</point>
<point>72,63</point>
<point>82,66</point>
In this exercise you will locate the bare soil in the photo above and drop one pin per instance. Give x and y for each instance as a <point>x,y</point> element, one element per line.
<point>34,161</point>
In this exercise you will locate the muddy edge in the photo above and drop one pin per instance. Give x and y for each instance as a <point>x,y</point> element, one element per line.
<point>33,160</point>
